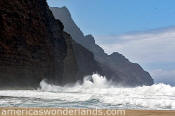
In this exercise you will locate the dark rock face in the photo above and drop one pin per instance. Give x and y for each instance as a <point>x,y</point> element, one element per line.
<point>86,62</point>
<point>114,66</point>
<point>70,63</point>
<point>32,44</point>
<point>33,47</point>
<point>78,63</point>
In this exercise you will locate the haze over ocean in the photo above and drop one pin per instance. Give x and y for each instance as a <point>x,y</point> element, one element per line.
<point>143,31</point>
<point>99,94</point>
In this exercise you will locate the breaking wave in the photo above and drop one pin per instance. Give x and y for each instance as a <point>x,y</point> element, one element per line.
<point>89,82</point>
<point>94,92</point>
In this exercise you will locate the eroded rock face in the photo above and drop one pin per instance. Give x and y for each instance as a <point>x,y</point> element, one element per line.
<point>32,44</point>
<point>33,47</point>
<point>115,66</point>
<point>79,62</point>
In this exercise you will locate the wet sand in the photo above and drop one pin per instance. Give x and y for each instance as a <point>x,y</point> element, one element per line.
<point>149,113</point>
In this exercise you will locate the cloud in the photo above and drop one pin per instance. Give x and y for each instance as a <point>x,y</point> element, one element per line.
<point>166,76</point>
<point>153,49</point>
<point>143,47</point>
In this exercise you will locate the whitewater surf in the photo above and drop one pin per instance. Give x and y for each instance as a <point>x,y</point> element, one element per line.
<point>94,92</point>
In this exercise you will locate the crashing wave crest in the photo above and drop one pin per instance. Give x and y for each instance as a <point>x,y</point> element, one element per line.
<point>95,91</point>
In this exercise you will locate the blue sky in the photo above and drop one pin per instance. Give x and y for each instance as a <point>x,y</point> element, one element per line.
<point>119,16</point>
<point>142,30</point>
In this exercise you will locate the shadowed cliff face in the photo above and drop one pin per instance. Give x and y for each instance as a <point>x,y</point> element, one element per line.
<point>79,62</point>
<point>114,66</point>
<point>32,46</point>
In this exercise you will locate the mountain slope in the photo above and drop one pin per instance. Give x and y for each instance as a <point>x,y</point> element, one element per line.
<point>33,47</point>
<point>79,62</point>
<point>114,66</point>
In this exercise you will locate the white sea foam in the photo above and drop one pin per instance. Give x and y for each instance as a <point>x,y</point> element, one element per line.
<point>96,91</point>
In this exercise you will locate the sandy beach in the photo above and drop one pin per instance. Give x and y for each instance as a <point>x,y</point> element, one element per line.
<point>149,113</point>
<point>80,112</point>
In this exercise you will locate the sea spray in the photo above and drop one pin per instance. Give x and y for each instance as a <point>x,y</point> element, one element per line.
<point>89,82</point>
<point>95,91</point>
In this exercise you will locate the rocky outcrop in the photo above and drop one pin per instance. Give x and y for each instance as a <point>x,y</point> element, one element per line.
<point>78,63</point>
<point>115,66</point>
<point>86,62</point>
<point>32,45</point>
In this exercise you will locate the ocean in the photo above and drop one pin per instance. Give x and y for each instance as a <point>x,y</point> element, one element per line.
<point>94,92</point>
